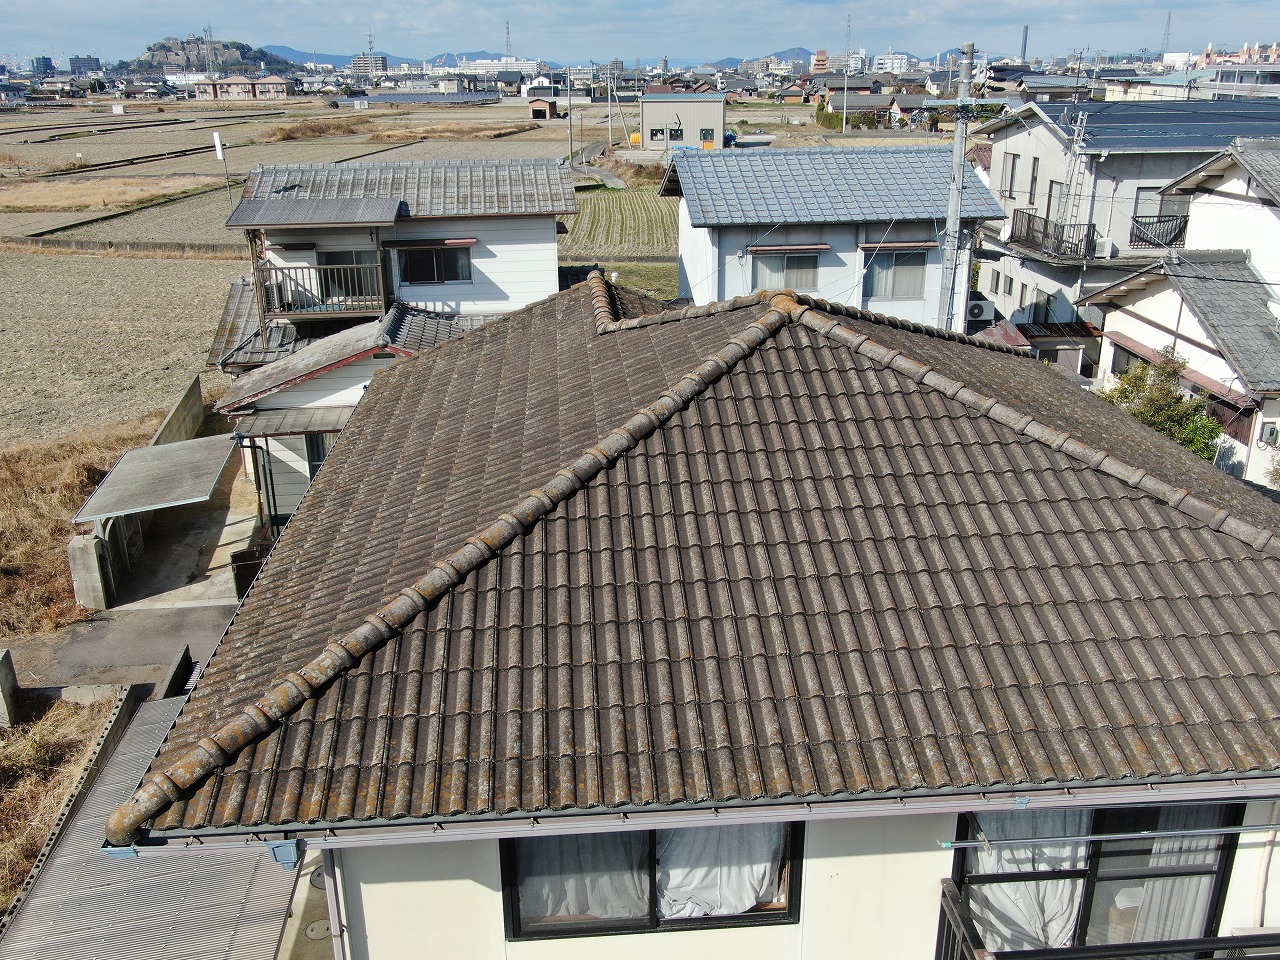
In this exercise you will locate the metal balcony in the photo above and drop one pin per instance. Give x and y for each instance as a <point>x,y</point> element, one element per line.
<point>1165,230</point>
<point>319,293</point>
<point>1068,241</point>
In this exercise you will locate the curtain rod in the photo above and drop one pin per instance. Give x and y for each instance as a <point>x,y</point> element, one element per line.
<point>1137,835</point>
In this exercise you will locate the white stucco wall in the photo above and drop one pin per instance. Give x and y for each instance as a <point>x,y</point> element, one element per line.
<point>716,262</point>
<point>1220,222</point>
<point>871,882</point>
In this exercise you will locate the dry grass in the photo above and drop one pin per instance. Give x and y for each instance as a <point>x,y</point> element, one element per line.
<point>452,131</point>
<point>97,193</point>
<point>635,174</point>
<point>42,485</point>
<point>40,762</point>
<point>171,253</point>
<point>316,129</point>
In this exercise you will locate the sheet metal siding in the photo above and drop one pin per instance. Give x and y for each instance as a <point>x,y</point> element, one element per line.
<point>227,903</point>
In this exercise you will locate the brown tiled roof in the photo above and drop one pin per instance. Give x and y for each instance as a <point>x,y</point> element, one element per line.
<point>831,556</point>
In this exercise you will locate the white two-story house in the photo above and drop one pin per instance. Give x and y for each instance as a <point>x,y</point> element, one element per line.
<point>1216,303</point>
<point>338,243</point>
<point>864,227</point>
<point>1081,185</point>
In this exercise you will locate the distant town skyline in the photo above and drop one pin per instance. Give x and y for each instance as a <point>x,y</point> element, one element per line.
<point>599,30</point>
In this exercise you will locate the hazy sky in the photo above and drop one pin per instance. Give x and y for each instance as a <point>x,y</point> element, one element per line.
<point>601,29</point>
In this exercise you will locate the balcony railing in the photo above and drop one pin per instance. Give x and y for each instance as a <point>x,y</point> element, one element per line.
<point>959,939</point>
<point>1158,231</point>
<point>1071,241</point>
<point>302,293</point>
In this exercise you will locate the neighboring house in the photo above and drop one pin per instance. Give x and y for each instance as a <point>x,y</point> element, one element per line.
<point>854,226</point>
<point>1081,186</point>
<point>336,244</point>
<point>242,88</point>
<point>1053,88</point>
<point>1217,307</point>
<point>768,628</point>
<point>679,121</point>
<point>288,413</point>
<point>888,108</point>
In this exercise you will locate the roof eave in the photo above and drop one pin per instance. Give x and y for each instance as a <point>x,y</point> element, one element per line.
<point>1223,788</point>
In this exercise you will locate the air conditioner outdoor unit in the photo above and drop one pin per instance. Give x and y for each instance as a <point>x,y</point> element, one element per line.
<point>1104,248</point>
<point>981,310</point>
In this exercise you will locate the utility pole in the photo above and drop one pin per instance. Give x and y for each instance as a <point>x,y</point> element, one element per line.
<point>569,92</point>
<point>848,42</point>
<point>951,249</point>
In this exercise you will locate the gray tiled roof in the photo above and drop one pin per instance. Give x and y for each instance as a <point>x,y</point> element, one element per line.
<point>1231,300</point>
<point>822,185</point>
<point>832,556</point>
<point>404,326</point>
<point>431,188</point>
<point>1262,159</point>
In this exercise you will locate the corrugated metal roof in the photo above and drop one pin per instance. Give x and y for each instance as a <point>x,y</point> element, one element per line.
<point>275,423</point>
<point>286,211</point>
<point>809,552</point>
<point>822,185</point>
<point>666,97</point>
<point>239,320</point>
<point>454,98</point>
<point>431,188</point>
<point>220,902</point>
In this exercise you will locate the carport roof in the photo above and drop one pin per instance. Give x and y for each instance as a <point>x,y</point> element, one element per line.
<point>165,475</point>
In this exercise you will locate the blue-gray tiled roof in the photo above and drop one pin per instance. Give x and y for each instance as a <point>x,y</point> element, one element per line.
<point>1233,303</point>
<point>830,185</point>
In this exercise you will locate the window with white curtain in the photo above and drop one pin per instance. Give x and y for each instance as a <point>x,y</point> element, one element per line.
<point>1055,891</point>
<point>895,275</point>
<point>784,271</point>
<point>591,884</point>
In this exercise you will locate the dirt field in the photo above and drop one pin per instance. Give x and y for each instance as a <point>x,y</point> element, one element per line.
<point>96,339</point>
<point>200,219</point>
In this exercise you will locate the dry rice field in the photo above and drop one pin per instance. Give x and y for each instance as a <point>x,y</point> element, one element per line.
<point>99,340</point>
<point>622,224</point>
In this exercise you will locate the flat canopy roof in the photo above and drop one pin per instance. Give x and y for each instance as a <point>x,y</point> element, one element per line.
<point>167,475</point>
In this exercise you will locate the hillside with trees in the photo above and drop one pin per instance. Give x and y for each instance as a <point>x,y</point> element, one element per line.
<point>198,54</point>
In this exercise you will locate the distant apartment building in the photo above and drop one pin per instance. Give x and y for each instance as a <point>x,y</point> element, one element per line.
<point>853,63</point>
<point>894,63</point>
<point>81,66</point>
<point>529,67</point>
<point>43,67</point>
<point>366,65</point>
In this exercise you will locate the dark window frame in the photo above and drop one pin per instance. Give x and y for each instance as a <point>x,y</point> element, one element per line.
<point>437,255</point>
<point>675,134</point>
<point>793,857</point>
<point>1089,875</point>
<point>707,133</point>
